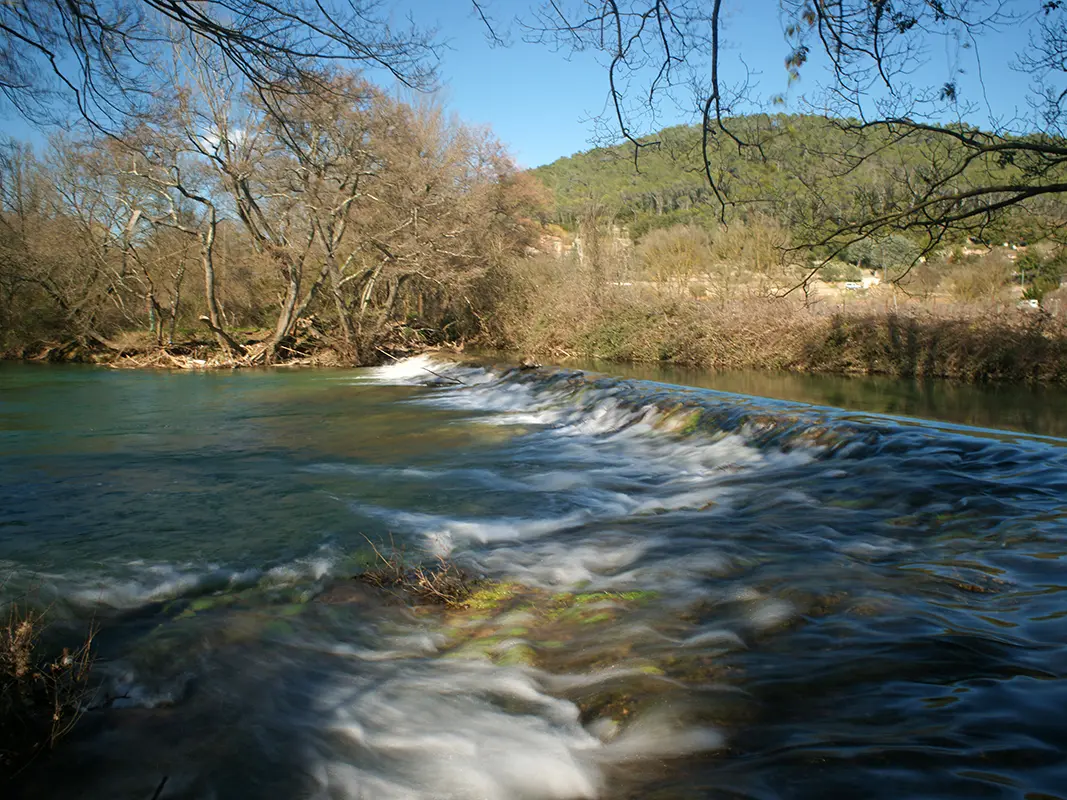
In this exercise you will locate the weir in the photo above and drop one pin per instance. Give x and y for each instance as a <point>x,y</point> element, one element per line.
<point>678,592</point>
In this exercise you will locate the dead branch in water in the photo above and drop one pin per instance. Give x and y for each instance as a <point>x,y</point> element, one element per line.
<point>254,356</point>
<point>426,369</point>
<point>442,583</point>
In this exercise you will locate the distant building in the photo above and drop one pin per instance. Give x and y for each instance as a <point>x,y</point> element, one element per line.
<point>870,280</point>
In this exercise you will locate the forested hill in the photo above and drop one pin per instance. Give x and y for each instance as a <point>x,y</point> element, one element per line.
<point>808,172</point>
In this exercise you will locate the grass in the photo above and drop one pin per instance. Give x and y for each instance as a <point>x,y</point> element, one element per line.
<point>42,697</point>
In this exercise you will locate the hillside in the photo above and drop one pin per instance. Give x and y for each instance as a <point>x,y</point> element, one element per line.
<point>808,173</point>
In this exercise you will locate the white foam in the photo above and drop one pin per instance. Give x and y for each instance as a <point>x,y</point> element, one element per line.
<point>658,740</point>
<point>123,688</point>
<point>406,371</point>
<point>593,564</point>
<point>149,583</point>
<point>460,730</point>
<point>722,638</point>
<point>442,532</point>
<point>770,614</point>
<point>136,583</point>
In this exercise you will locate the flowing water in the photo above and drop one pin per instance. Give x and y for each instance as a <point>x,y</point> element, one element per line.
<point>687,593</point>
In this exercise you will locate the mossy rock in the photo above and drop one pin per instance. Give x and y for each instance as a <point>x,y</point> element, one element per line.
<point>518,654</point>
<point>289,610</point>
<point>858,503</point>
<point>591,607</point>
<point>688,424</point>
<point>473,650</point>
<point>626,597</point>
<point>490,596</point>
<point>596,619</point>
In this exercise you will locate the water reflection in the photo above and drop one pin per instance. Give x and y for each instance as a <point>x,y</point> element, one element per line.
<point>1031,409</point>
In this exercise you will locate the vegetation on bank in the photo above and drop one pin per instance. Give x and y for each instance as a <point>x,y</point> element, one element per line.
<point>657,270</point>
<point>231,192</point>
<point>41,696</point>
<point>328,215</point>
<point>811,174</point>
<point>375,228</point>
<point>558,309</point>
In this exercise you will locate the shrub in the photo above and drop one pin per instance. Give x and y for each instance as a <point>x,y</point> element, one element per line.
<point>1040,275</point>
<point>837,271</point>
<point>41,697</point>
<point>673,256</point>
<point>442,583</point>
<point>893,253</point>
<point>981,279</point>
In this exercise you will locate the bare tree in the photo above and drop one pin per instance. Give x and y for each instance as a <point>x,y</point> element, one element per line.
<point>60,260</point>
<point>405,203</point>
<point>180,196</point>
<point>330,139</point>
<point>101,57</point>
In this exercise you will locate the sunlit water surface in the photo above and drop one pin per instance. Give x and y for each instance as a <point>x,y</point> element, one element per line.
<point>706,595</point>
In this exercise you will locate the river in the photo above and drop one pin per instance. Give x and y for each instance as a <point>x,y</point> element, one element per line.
<point>690,592</point>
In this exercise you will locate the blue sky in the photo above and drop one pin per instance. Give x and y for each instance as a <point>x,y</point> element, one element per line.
<point>541,103</point>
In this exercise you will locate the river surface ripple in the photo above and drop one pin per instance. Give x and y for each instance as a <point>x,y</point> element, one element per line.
<point>697,594</point>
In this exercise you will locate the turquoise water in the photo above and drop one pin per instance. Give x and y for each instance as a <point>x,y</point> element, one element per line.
<point>705,594</point>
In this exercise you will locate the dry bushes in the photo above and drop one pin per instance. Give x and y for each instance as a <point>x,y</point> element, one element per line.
<point>443,583</point>
<point>538,305</point>
<point>675,256</point>
<point>545,307</point>
<point>41,698</point>
<point>973,344</point>
<point>752,333</point>
<point>979,279</point>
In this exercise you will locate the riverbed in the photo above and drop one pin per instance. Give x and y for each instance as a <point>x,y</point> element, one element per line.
<point>687,591</point>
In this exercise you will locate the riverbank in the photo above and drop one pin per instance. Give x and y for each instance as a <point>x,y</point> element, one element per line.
<point>973,344</point>
<point>139,350</point>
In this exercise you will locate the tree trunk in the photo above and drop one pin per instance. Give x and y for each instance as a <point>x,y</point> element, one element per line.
<point>331,238</point>
<point>286,315</point>
<point>179,278</point>
<point>155,317</point>
<point>207,260</point>
<point>302,308</point>
<point>338,298</point>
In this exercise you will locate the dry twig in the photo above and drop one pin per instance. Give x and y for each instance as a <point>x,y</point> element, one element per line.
<point>443,583</point>
<point>41,698</point>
